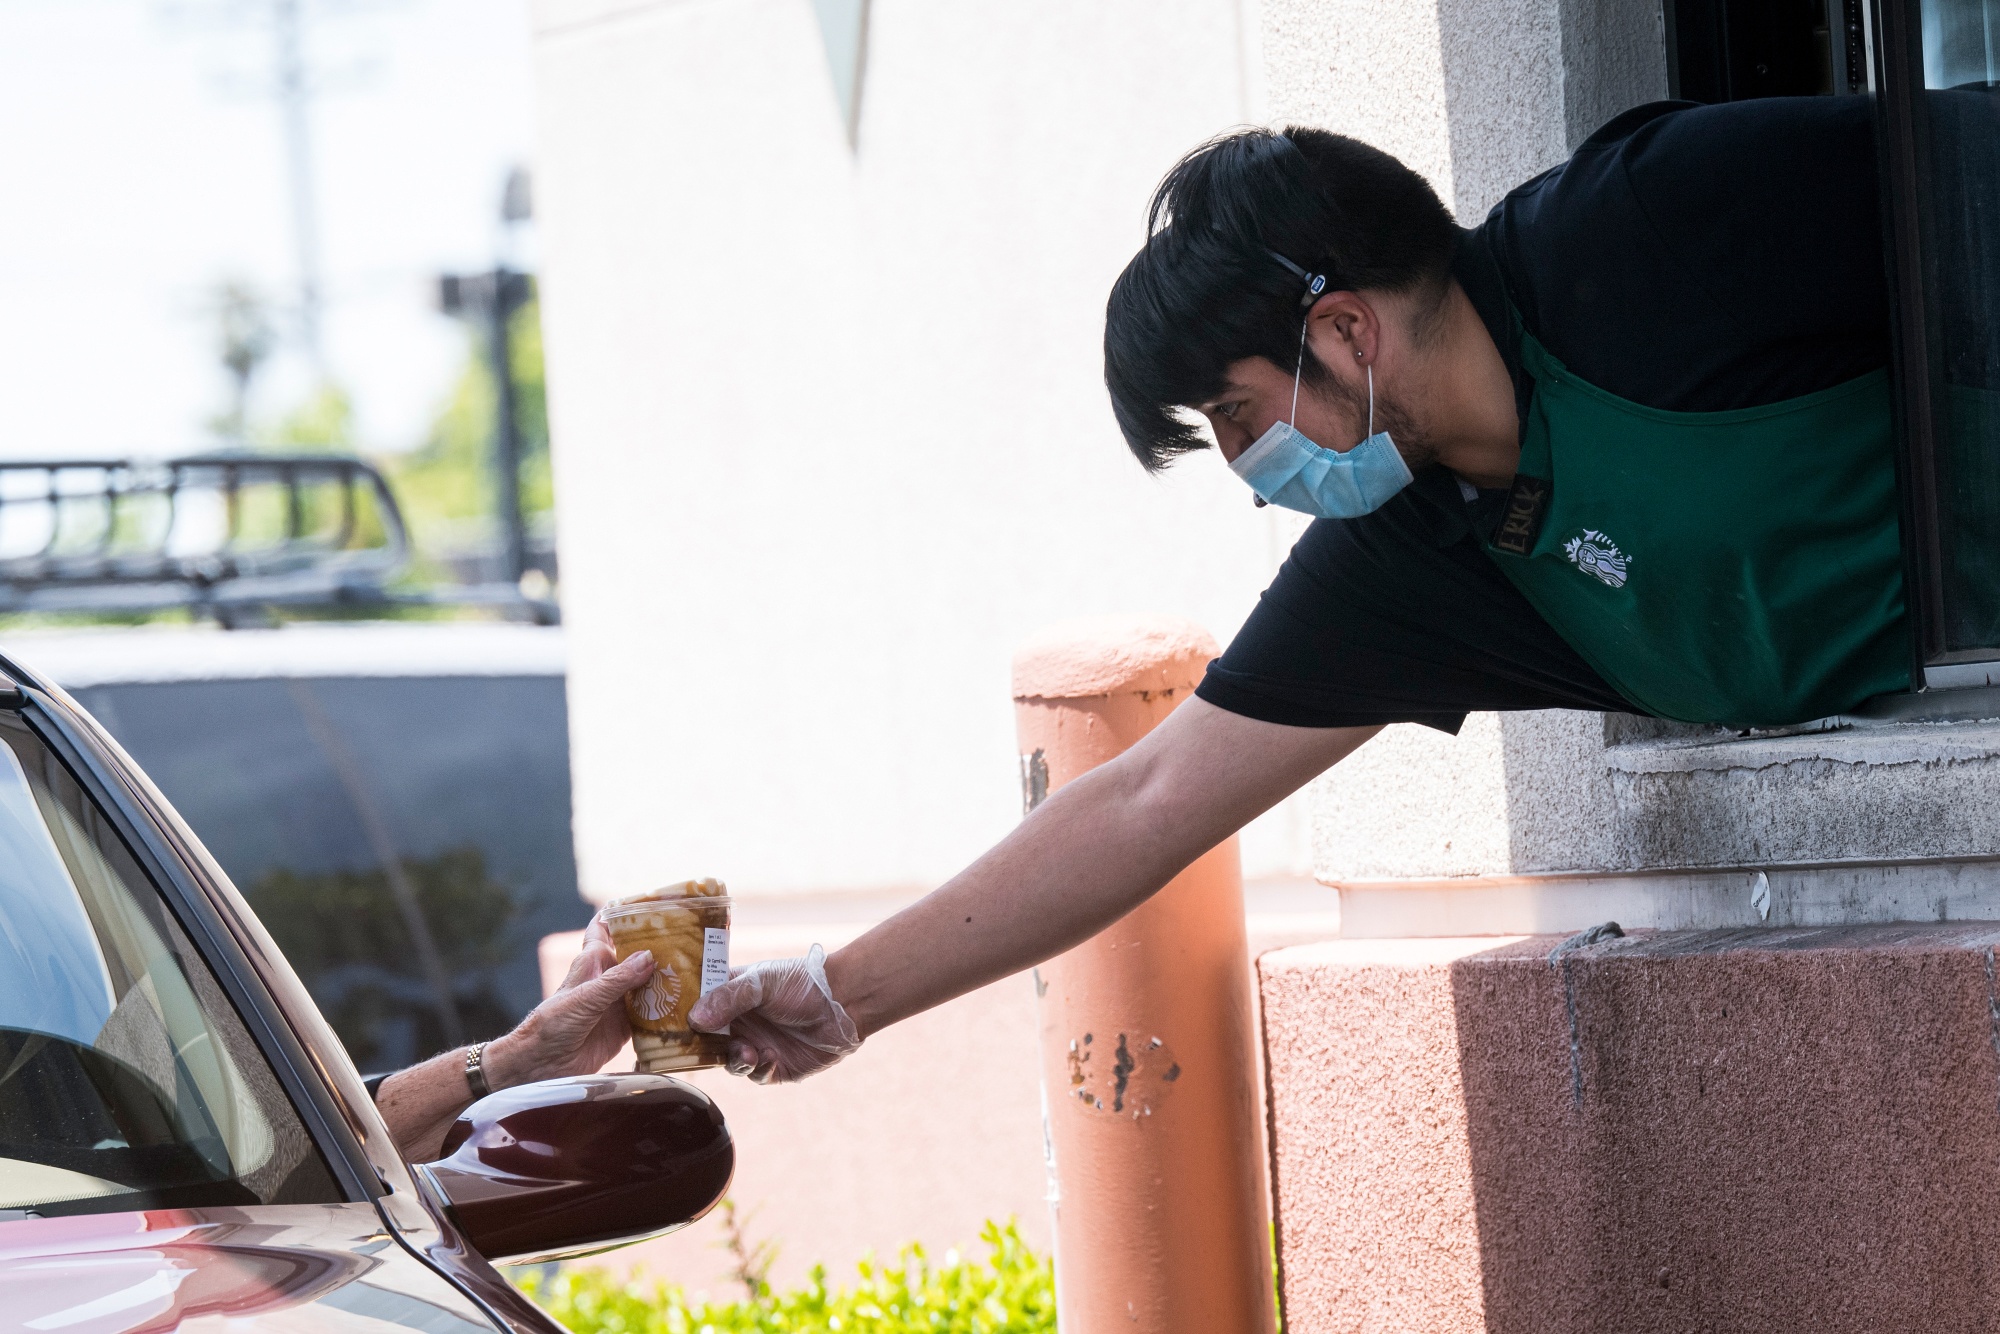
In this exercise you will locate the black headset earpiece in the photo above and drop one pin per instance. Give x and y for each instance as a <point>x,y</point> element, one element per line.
<point>1315,282</point>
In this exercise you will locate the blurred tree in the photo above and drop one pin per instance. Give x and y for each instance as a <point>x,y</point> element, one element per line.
<point>323,420</point>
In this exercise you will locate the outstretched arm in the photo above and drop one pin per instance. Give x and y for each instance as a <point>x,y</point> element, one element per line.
<point>1094,850</point>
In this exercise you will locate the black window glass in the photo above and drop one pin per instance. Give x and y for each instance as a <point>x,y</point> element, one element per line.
<point>1959,163</point>
<point>1729,50</point>
<point>127,1079</point>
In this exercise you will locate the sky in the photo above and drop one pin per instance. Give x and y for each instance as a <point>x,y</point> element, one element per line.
<point>142,164</point>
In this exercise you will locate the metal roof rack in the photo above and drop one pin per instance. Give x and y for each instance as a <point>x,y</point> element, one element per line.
<point>228,535</point>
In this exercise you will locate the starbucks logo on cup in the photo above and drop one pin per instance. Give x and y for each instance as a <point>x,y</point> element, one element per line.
<point>659,996</point>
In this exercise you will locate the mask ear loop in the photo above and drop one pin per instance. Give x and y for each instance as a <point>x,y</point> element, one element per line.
<point>1297,374</point>
<point>1303,325</point>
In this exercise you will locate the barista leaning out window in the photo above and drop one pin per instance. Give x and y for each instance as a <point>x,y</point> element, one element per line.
<point>573,1032</point>
<point>1625,445</point>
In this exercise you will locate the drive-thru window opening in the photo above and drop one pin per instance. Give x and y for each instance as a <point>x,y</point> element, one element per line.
<point>1727,50</point>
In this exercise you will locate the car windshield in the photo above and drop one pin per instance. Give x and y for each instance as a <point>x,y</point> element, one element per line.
<point>127,1080</point>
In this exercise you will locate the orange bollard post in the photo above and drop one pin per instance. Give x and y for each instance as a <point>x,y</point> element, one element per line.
<point>1149,1068</point>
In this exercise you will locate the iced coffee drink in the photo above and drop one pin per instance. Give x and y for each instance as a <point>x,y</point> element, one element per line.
<point>686,926</point>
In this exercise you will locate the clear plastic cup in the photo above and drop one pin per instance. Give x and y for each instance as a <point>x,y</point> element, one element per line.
<point>686,926</point>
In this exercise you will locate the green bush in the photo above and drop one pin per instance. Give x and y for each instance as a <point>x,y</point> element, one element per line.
<point>1012,1291</point>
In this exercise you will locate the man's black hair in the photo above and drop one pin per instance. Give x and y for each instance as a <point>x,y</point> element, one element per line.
<point>1206,290</point>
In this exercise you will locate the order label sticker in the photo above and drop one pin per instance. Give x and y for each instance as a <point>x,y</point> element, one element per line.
<point>714,957</point>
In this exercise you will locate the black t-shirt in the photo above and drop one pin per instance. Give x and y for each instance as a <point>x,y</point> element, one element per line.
<point>1688,258</point>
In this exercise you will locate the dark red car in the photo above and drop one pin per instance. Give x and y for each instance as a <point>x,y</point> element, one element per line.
<point>182,1139</point>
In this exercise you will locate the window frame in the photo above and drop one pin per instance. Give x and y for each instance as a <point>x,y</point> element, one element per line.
<point>1917,366</point>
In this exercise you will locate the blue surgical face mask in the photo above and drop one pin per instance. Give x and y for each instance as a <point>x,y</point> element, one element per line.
<point>1286,468</point>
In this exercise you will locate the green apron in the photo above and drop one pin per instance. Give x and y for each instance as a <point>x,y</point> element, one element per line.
<point>1742,568</point>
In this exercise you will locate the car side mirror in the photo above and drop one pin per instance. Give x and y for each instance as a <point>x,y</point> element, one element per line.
<point>566,1167</point>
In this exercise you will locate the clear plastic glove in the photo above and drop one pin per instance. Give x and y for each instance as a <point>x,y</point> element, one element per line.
<point>783,1021</point>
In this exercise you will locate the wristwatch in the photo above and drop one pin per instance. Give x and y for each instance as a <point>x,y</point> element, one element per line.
<point>475,1070</point>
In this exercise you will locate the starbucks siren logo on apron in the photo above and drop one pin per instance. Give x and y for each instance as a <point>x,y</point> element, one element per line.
<point>1772,589</point>
<point>1598,556</point>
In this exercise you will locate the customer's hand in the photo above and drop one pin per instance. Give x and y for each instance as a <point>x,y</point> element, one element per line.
<point>573,1032</point>
<point>578,1028</point>
<point>783,1021</point>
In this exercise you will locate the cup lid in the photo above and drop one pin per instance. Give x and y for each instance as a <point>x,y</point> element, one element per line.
<point>679,891</point>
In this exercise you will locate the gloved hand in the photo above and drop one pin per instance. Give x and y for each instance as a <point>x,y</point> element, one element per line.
<point>783,1021</point>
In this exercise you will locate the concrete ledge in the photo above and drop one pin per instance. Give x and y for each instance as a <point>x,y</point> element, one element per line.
<point>1829,894</point>
<point>1730,1130</point>
<point>1553,792</point>
<point>1882,792</point>
<point>1928,744</point>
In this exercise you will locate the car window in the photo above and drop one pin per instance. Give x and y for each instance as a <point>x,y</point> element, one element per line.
<point>127,1079</point>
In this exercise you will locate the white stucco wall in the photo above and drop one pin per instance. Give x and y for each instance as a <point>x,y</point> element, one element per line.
<point>1415,802</point>
<point>830,432</point>
<point>1468,92</point>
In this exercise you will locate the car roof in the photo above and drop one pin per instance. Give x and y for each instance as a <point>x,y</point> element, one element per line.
<point>78,659</point>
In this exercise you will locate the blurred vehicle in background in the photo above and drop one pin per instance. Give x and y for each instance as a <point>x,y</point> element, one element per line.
<point>392,798</point>
<point>236,537</point>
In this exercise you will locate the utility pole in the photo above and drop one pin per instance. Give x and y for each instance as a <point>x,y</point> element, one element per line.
<point>292,82</point>
<point>511,291</point>
<point>294,93</point>
<point>490,299</point>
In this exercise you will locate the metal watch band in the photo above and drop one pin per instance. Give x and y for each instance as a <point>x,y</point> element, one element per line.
<point>475,1070</point>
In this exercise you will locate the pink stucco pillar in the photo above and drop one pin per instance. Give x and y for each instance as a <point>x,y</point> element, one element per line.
<point>1148,1038</point>
<point>1786,1129</point>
